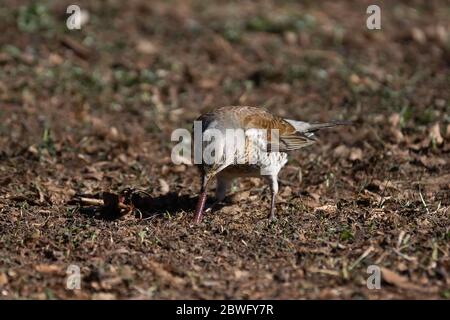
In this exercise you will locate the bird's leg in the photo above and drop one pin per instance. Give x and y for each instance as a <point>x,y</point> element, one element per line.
<point>200,206</point>
<point>274,190</point>
<point>201,201</point>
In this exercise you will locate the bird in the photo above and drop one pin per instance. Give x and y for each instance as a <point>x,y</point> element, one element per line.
<point>257,146</point>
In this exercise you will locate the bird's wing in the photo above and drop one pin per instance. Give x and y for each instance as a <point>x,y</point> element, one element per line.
<point>291,142</point>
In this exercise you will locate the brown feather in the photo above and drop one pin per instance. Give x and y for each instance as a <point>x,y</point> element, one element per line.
<point>246,117</point>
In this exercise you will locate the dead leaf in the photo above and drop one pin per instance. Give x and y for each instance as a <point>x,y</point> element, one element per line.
<point>355,79</point>
<point>287,192</point>
<point>386,184</point>
<point>431,162</point>
<point>234,209</point>
<point>238,274</point>
<point>290,37</point>
<point>341,151</point>
<point>178,169</point>
<point>55,59</point>
<point>447,132</point>
<point>162,274</point>
<point>397,135</point>
<point>418,36</point>
<point>402,282</point>
<point>208,83</point>
<point>355,154</point>
<point>33,150</point>
<point>3,279</point>
<point>164,186</point>
<point>239,196</point>
<point>315,196</point>
<point>328,209</point>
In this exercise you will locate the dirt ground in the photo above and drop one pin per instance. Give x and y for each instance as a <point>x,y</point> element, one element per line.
<point>92,110</point>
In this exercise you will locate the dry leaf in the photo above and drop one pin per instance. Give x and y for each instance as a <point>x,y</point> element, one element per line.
<point>162,274</point>
<point>355,79</point>
<point>3,279</point>
<point>179,168</point>
<point>341,151</point>
<point>287,192</point>
<point>418,36</point>
<point>146,47</point>
<point>397,135</point>
<point>328,208</point>
<point>238,274</point>
<point>431,162</point>
<point>290,37</point>
<point>239,196</point>
<point>234,209</point>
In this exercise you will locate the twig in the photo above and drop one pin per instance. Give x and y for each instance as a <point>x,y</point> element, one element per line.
<point>92,202</point>
<point>404,256</point>
<point>324,271</point>
<point>99,202</point>
<point>80,50</point>
<point>400,238</point>
<point>361,258</point>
